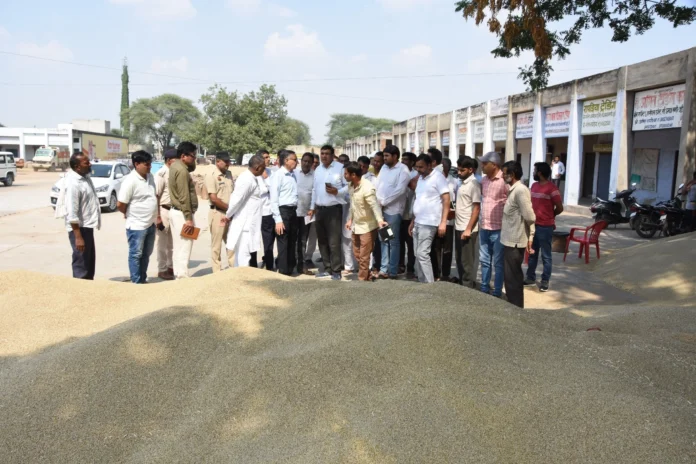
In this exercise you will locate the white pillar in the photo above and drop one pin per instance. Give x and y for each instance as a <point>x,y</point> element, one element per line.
<point>417,150</point>
<point>618,148</point>
<point>454,135</point>
<point>487,132</point>
<point>574,158</point>
<point>22,150</point>
<point>538,139</point>
<point>470,148</point>
<point>511,142</point>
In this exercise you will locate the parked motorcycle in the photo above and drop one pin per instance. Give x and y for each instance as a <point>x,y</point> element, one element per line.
<point>667,217</point>
<point>617,211</point>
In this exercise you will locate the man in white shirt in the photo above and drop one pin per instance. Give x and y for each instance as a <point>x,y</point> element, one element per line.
<point>305,183</point>
<point>267,223</point>
<point>284,199</point>
<point>350,265</point>
<point>429,215</point>
<point>441,254</point>
<point>82,213</point>
<point>557,171</point>
<point>436,156</point>
<point>328,198</point>
<point>244,213</point>
<point>391,196</point>
<point>407,258</point>
<point>137,200</point>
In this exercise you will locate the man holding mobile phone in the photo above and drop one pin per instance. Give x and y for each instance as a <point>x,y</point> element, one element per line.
<point>328,198</point>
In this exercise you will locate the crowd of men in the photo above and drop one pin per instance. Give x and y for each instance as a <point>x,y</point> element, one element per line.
<point>380,218</point>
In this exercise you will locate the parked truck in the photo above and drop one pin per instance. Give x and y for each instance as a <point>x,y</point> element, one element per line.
<point>51,158</point>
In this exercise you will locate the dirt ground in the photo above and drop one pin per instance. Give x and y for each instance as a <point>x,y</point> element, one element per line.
<point>250,366</point>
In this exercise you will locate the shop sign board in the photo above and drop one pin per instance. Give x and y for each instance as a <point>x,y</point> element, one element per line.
<point>598,116</point>
<point>659,108</point>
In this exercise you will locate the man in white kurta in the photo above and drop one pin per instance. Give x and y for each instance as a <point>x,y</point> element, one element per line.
<point>245,212</point>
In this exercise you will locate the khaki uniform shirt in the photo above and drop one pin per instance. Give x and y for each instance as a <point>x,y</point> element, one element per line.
<point>162,183</point>
<point>220,184</point>
<point>364,209</point>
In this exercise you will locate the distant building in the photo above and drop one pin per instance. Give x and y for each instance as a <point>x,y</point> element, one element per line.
<point>365,146</point>
<point>91,137</point>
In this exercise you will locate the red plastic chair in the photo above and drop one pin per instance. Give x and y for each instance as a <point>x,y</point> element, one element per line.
<point>590,237</point>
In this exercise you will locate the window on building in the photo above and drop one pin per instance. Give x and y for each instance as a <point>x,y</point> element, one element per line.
<point>76,140</point>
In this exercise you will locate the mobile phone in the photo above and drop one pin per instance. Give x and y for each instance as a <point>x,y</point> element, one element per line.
<point>328,185</point>
<point>160,227</point>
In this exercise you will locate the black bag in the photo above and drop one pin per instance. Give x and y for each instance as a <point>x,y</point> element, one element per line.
<point>385,233</point>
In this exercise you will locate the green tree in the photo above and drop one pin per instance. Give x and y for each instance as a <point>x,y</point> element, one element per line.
<point>243,124</point>
<point>298,131</point>
<point>162,120</point>
<point>125,99</point>
<point>117,132</point>
<point>527,26</point>
<point>347,126</point>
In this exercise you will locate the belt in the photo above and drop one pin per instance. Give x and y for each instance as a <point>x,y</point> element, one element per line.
<point>167,207</point>
<point>332,206</point>
<point>289,206</point>
<point>177,209</point>
<point>218,209</point>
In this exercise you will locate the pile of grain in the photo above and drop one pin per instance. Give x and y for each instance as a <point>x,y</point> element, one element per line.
<point>246,366</point>
<point>658,270</point>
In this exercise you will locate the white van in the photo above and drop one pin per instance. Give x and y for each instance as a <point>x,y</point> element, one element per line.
<point>8,169</point>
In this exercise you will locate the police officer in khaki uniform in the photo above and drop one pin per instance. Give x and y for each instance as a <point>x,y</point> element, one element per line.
<point>219,183</point>
<point>165,245</point>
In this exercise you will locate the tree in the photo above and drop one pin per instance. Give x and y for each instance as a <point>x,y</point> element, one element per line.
<point>244,124</point>
<point>117,132</point>
<point>347,126</point>
<point>298,131</point>
<point>125,99</point>
<point>527,26</point>
<point>161,120</point>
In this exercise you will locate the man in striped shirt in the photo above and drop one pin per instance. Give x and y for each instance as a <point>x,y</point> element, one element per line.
<point>495,193</point>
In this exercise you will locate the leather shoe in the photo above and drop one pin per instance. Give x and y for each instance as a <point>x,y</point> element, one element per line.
<point>165,276</point>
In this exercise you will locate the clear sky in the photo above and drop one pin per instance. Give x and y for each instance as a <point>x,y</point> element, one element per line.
<point>243,43</point>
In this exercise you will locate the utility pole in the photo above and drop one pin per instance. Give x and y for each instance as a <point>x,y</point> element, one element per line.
<point>125,99</point>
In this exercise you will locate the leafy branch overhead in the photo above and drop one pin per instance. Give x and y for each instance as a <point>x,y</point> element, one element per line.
<point>527,26</point>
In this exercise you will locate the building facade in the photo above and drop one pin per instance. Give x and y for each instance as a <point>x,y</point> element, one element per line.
<point>632,126</point>
<point>367,145</point>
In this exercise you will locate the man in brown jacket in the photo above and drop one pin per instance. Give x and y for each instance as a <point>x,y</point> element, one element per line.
<point>364,217</point>
<point>182,191</point>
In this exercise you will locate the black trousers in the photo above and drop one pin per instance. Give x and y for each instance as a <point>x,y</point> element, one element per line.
<point>287,242</point>
<point>302,230</point>
<point>466,252</point>
<point>83,264</point>
<point>377,254</point>
<point>329,233</point>
<point>268,235</point>
<point>514,276</point>
<point>407,254</point>
<point>441,254</point>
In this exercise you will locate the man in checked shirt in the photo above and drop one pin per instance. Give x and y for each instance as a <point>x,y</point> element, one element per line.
<point>495,193</point>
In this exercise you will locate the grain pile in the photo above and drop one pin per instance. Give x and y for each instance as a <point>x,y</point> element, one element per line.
<point>249,367</point>
<point>658,270</point>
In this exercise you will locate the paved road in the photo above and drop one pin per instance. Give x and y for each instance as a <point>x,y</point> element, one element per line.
<point>30,190</point>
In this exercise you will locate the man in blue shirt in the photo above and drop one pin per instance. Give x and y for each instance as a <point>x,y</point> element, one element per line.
<point>283,191</point>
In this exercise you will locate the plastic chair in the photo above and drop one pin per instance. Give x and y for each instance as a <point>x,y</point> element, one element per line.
<point>590,237</point>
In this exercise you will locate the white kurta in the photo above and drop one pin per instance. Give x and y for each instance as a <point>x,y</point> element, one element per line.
<point>246,212</point>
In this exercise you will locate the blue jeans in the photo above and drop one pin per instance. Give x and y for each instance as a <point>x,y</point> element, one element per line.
<point>491,254</point>
<point>391,249</point>
<point>140,246</point>
<point>543,238</point>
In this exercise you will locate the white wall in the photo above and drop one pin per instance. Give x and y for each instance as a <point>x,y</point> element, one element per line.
<point>667,141</point>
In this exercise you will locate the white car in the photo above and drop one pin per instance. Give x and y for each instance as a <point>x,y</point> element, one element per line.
<point>106,177</point>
